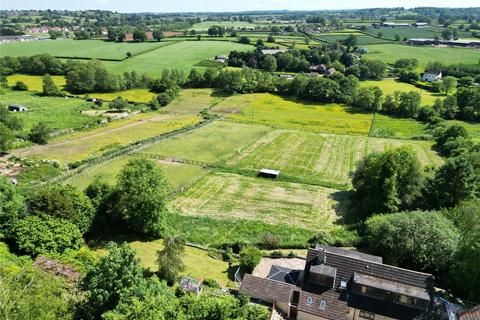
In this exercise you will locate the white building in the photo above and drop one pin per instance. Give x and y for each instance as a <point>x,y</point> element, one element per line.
<point>432,76</point>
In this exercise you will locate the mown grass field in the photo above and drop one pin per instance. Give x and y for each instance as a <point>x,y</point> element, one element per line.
<point>69,48</point>
<point>34,83</point>
<point>392,52</point>
<point>407,32</point>
<point>272,110</point>
<point>388,86</point>
<point>177,175</point>
<point>58,113</point>
<point>320,157</point>
<point>213,143</point>
<point>397,127</point>
<point>81,145</point>
<point>191,102</point>
<point>232,196</point>
<point>198,263</point>
<point>183,56</point>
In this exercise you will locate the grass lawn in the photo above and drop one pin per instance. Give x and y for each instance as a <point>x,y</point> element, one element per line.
<point>399,128</point>
<point>392,52</point>
<point>198,263</point>
<point>232,196</point>
<point>319,157</point>
<point>81,145</point>
<point>388,86</point>
<point>279,112</point>
<point>183,56</point>
<point>178,175</point>
<point>34,83</point>
<point>212,143</point>
<point>58,113</point>
<point>69,48</point>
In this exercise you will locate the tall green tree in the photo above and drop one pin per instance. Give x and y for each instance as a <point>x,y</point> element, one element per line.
<point>49,88</point>
<point>386,182</point>
<point>6,138</point>
<point>11,206</point>
<point>270,63</point>
<point>142,197</point>
<point>169,259</point>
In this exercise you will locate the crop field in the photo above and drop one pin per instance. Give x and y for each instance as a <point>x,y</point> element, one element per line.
<point>58,113</point>
<point>231,196</point>
<point>34,83</point>
<point>81,145</point>
<point>178,175</point>
<point>183,56</point>
<point>397,127</point>
<point>391,52</point>
<point>204,25</point>
<point>388,86</point>
<point>213,143</point>
<point>133,95</point>
<point>320,157</point>
<point>272,110</point>
<point>67,48</point>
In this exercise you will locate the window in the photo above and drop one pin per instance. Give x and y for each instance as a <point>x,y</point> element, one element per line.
<point>405,299</point>
<point>343,283</point>
<point>367,315</point>
<point>309,300</point>
<point>322,305</point>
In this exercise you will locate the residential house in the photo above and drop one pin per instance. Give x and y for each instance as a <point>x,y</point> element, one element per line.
<point>318,68</point>
<point>272,51</point>
<point>331,70</point>
<point>432,76</point>
<point>149,35</point>
<point>341,284</point>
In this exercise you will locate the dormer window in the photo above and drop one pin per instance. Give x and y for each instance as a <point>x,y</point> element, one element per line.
<point>309,300</point>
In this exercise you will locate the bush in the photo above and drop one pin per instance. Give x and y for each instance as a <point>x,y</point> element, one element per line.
<point>163,99</point>
<point>212,283</point>
<point>249,258</point>
<point>40,133</point>
<point>119,103</point>
<point>20,86</point>
<point>36,235</point>
<point>244,40</point>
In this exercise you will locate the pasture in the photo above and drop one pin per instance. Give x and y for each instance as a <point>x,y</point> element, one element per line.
<point>210,144</point>
<point>231,196</point>
<point>390,53</point>
<point>191,102</point>
<point>89,49</point>
<point>34,83</point>
<point>472,128</point>
<point>275,111</point>
<point>389,86</point>
<point>407,32</point>
<point>204,25</point>
<point>178,175</point>
<point>59,113</point>
<point>318,158</point>
<point>81,145</point>
<point>396,127</point>
<point>182,55</point>
<point>362,39</point>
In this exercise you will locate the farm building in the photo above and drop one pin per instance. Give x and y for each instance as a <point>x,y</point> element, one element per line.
<point>420,24</point>
<point>393,24</point>
<point>331,70</point>
<point>287,76</point>
<point>10,39</point>
<point>319,68</point>
<point>456,43</point>
<point>127,37</point>
<point>269,173</point>
<point>432,76</point>
<point>272,51</point>
<point>17,108</point>
<point>221,58</point>
<point>335,284</point>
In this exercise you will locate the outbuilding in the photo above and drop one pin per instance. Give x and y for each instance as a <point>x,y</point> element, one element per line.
<point>269,173</point>
<point>17,108</point>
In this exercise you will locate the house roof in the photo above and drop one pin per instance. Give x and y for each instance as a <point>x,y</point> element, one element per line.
<point>470,314</point>
<point>350,253</point>
<point>383,284</point>
<point>325,270</point>
<point>283,274</point>
<point>270,171</point>
<point>266,289</point>
<point>273,51</point>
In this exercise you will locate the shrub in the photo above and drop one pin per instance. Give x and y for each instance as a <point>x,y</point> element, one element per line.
<point>40,133</point>
<point>20,86</point>
<point>163,99</point>
<point>212,283</point>
<point>249,258</point>
<point>43,234</point>
<point>119,103</point>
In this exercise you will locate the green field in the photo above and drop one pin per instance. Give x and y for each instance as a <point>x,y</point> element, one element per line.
<point>397,127</point>
<point>407,32</point>
<point>191,102</point>
<point>183,56</point>
<point>272,110</point>
<point>58,113</point>
<point>133,95</point>
<point>213,143</point>
<point>425,54</point>
<point>177,175</point>
<point>68,48</point>
<point>388,86</point>
<point>81,145</point>
<point>231,196</point>
<point>362,39</point>
<point>319,157</point>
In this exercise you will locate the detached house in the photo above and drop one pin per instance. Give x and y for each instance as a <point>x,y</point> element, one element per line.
<point>432,76</point>
<point>342,284</point>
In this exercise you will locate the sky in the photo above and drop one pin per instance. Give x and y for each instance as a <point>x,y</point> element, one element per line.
<point>224,5</point>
